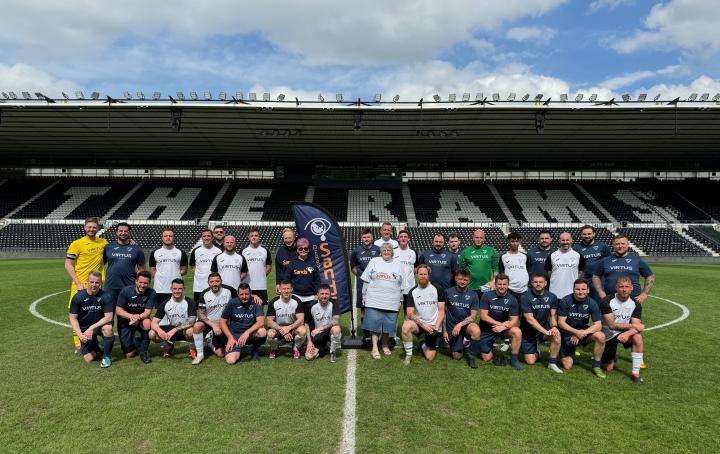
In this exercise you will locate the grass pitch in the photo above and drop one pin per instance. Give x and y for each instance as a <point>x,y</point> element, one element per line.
<point>51,401</point>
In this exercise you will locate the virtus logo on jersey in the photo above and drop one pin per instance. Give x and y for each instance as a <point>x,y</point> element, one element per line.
<point>319,227</point>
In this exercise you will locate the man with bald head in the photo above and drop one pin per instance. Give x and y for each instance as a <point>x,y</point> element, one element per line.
<point>564,266</point>
<point>231,265</point>
<point>285,253</point>
<point>481,261</point>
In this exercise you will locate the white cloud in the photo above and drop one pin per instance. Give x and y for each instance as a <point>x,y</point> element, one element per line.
<point>702,84</point>
<point>439,77</point>
<point>323,31</point>
<point>630,78</point>
<point>21,77</point>
<point>691,25</point>
<point>537,35</point>
<point>597,5</point>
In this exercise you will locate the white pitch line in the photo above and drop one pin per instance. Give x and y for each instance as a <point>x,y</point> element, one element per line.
<point>33,310</point>
<point>347,444</point>
<point>685,314</point>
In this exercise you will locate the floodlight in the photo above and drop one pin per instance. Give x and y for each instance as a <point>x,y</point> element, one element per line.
<point>642,97</point>
<point>479,96</point>
<point>692,97</point>
<point>377,97</point>
<point>436,98</point>
<point>252,96</point>
<point>65,95</point>
<point>539,97</point>
<point>626,97</point>
<point>140,95</point>
<point>511,97</point>
<point>704,97</point>
<point>281,97</point>
<point>466,97</point>
<point>657,97</point>
<point>593,97</point>
<point>193,95</point>
<point>39,95</point>
<point>26,95</point>
<point>496,97</point>
<point>238,95</point>
<point>579,97</point>
<point>396,98</point>
<point>180,95</point>
<point>321,98</point>
<point>127,95</point>
<point>12,95</point>
<point>339,97</point>
<point>95,95</point>
<point>563,97</point>
<point>715,98</point>
<point>526,96</point>
<point>207,95</point>
<point>266,96</point>
<point>156,95</point>
<point>452,97</point>
<point>222,96</point>
<point>5,95</point>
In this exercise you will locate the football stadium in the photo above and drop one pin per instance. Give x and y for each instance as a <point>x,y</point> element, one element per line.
<point>443,272</point>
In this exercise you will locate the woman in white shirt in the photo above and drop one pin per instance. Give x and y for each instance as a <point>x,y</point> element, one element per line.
<point>383,285</point>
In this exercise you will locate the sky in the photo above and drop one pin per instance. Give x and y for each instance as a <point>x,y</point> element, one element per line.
<point>410,48</point>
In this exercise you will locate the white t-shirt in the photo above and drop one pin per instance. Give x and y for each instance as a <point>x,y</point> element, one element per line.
<point>515,266</point>
<point>408,260</point>
<point>385,284</point>
<point>229,266</point>
<point>167,264</point>
<point>256,258</point>
<point>425,301</point>
<point>564,268</point>
<point>201,258</point>
<point>379,242</point>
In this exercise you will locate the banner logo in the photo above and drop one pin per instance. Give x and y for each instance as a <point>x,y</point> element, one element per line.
<point>319,227</point>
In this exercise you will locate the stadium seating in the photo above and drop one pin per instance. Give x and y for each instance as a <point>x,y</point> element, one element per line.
<point>455,202</point>
<point>77,199</point>
<point>705,235</point>
<point>530,235</point>
<point>169,199</point>
<point>361,204</point>
<point>422,237</point>
<point>703,194</point>
<point>658,241</point>
<point>628,202</point>
<point>16,192</point>
<point>243,201</point>
<point>39,237</point>
<point>149,236</point>
<point>549,202</point>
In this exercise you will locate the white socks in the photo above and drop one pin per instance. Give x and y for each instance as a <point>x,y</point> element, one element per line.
<point>199,341</point>
<point>408,348</point>
<point>637,359</point>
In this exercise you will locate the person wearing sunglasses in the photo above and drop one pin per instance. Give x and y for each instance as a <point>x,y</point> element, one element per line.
<point>303,273</point>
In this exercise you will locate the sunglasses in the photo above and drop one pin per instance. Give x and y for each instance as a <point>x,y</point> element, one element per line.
<point>303,249</point>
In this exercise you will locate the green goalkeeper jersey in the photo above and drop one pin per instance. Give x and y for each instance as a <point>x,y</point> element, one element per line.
<point>481,262</point>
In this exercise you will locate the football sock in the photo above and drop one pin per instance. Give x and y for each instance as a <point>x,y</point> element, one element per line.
<point>408,348</point>
<point>108,342</point>
<point>300,340</point>
<point>474,349</point>
<point>144,341</point>
<point>552,360</point>
<point>334,342</point>
<point>198,339</point>
<point>595,363</point>
<point>637,359</point>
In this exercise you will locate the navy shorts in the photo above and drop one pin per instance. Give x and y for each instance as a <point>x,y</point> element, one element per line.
<point>456,343</point>
<point>252,341</point>
<point>567,348</point>
<point>380,321</point>
<point>610,352</point>
<point>529,345</point>
<point>92,346</point>
<point>127,334</point>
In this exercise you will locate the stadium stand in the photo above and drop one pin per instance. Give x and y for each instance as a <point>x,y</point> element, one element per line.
<point>455,202</point>
<point>706,235</point>
<point>362,205</point>
<point>422,237</point>
<point>277,207</point>
<point>530,234</point>
<point>77,199</point>
<point>661,241</point>
<point>169,199</point>
<point>243,201</point>
<point>270,236</point>
<point>549,202</point>
<point>148,236</point>
<point>667,198</point>
<point>703,194</point>
<point>629,203</point>
<point>39,237</point>
<point>16,192</point>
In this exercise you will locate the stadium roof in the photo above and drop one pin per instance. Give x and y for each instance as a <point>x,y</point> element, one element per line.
<point>501,134</point>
